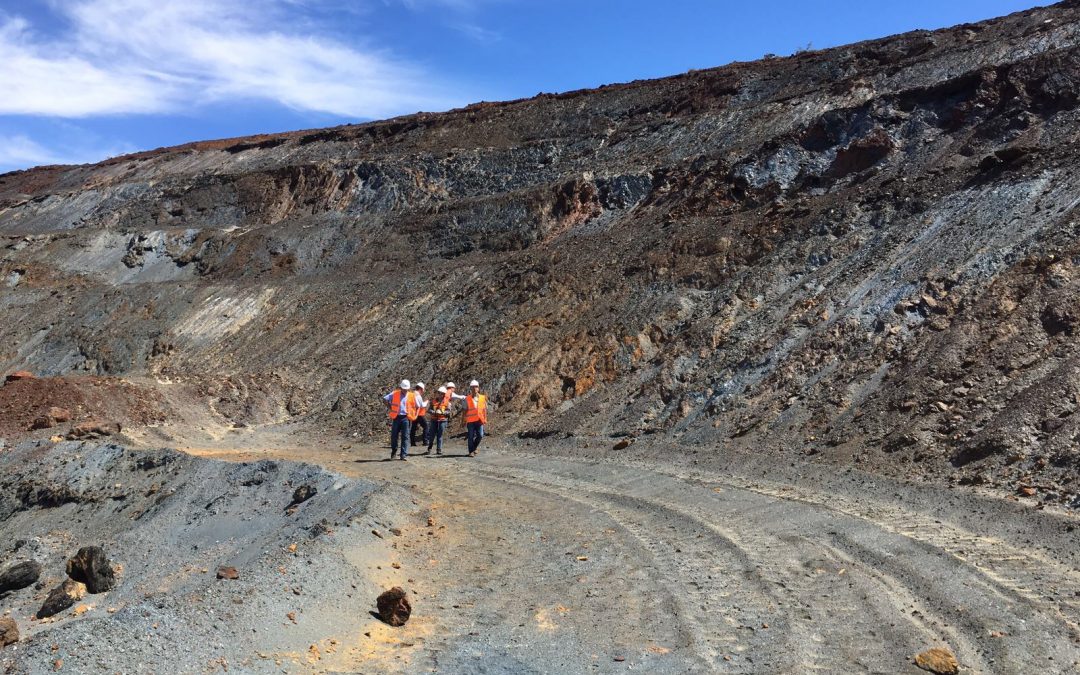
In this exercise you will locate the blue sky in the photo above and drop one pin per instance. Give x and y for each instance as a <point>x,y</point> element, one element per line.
<point>87,79</point>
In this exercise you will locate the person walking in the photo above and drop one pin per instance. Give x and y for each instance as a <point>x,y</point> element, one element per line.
<point>441,405</point>
<point>475,416</point>
<point>402,408</point>
<point>420,423</point>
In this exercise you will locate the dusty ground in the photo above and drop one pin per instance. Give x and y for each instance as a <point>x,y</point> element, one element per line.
<point>554,563</point>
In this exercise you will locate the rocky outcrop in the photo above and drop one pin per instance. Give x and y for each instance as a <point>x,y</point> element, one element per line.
<point>776,254</point>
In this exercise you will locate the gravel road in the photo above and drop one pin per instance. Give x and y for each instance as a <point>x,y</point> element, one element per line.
<point>541,563</point>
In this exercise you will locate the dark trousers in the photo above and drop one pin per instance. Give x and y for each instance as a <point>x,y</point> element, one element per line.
<point>422,425</point>
<point>476,434</point>
<point>400,427</point>
<point>435,434</point>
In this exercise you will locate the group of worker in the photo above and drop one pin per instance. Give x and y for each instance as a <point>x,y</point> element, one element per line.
<point>410,412</point>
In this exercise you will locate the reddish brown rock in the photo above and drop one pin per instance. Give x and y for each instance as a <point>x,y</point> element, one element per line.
<point>394,607</point>
<point>51,418</point>
<point>228,573</point>
<point>9,632</point>
<point>93,429</point>
<point>19,375</point>
<point>938,660</point>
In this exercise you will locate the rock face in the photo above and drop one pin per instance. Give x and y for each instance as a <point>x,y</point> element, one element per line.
<point>91,567</point>
<point>394,607</point>
<point>9,632</point>
<point>62,597</point>
<point>19,575</point>
<point>778,254</point>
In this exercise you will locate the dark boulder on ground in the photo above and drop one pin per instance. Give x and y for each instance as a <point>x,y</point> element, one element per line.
<point>9,632</point>
<point>62,597</point>
<point>19,375</point>
<point>303,493</point>
<point>91,567</point>
<point>394,607</point>
<point>19,575</point>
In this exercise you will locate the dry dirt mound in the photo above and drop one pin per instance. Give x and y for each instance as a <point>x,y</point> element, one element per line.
<point>25,401</point>
<point>167,522</point>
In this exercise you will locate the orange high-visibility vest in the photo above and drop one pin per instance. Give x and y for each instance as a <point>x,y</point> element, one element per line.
<point>420,412</point>
<point>476,409</point>
<point>444,406</point>
<point>411,409</point>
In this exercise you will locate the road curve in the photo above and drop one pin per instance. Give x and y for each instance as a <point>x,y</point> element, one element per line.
<point>553,564</point>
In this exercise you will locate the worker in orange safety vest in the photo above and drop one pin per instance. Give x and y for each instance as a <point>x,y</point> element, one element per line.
<point>475,416</point>
<point>442,404</point>
<point>403,408</point>
<point>419,425</point>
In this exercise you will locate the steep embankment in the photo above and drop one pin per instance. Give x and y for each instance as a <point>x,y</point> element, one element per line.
<point>865,254</point>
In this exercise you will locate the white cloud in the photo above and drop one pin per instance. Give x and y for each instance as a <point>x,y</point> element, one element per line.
<point>19,150</point>
<point>147,56</point>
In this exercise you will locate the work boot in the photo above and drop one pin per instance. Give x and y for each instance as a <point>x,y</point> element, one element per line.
<point>404,458</point>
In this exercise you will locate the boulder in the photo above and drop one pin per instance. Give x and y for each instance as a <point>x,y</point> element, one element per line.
<point>9,632</point>
<point>19,375</point>
<point>51,418</point>
<point>303,493</point>
<point>394,607</point>
<point>91,567</point>
<point>93,429</point>
<point>938,660</point>
<point>230,573</point>
<point>19,575</point>
<point>62,597</point>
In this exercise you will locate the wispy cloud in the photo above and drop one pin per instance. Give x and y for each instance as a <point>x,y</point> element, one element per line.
<point>478,33</point>
<point>149,56</point>
<point>19,150</point>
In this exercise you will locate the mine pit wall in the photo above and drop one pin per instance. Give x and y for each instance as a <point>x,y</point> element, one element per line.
<point>870,249</point>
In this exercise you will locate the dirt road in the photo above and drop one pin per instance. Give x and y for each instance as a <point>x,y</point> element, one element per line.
<point>552,564</point>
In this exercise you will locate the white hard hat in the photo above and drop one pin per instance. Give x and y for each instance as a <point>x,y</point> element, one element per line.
<point>450,385</point>
<point>474,383</point>
<point>442,390</point>
<point>404,384</point>
<point>419,385</point>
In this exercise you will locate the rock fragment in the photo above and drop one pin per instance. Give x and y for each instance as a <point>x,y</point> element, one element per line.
<point>19,375</point>
<point>50,419</point>
<point>93,429</point>
<point>939,660</point>
<point>19,575</point>
<point>9,632</point>
<point>394,607</point>
<point>227,572</point>
<point>302,494</point>
<point>62,597</point>
<point>91,567</point>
